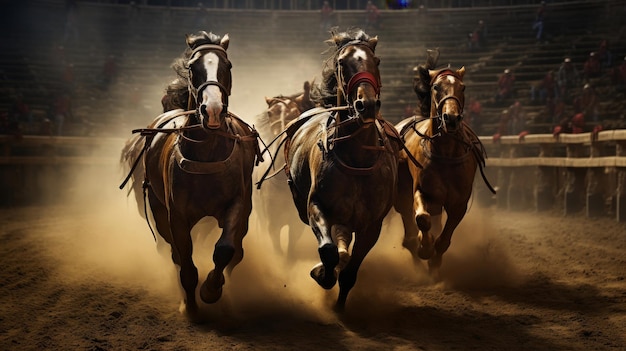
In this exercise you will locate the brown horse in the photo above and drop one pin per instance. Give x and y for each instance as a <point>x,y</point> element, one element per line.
<point>199,163</point>
<point>449,153</point>
<point>270,199</point>
<point>340,163</point>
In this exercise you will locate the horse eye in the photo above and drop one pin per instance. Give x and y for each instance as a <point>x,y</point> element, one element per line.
<point>437,88</point>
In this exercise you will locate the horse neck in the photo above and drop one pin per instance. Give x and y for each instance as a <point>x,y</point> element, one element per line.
<point>352,137</point>
<point>442,143</point>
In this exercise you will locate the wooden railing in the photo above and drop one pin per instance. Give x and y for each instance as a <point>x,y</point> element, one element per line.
<point>538,172</point>
<point>576,171</point>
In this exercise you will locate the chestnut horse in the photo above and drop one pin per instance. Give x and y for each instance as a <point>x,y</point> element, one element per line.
<point>340,163</point>
<point>199,163</point>
<point>449,153</point>
<point>272,200</point>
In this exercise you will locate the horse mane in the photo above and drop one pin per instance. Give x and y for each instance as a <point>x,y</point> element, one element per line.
<point>325,92</point>
<point>421,81</point>
<point>178,90</point>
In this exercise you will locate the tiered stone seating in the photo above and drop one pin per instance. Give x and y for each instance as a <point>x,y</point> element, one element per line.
<point>290,43</point>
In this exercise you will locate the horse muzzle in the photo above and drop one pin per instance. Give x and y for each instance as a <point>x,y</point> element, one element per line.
<point>450,123</point>
<point>211,116</point>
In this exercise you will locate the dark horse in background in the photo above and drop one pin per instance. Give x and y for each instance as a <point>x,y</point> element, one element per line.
<point>272,201</point>
<point>198,162</point>
<point>341,163</point>
<point>449,153</point>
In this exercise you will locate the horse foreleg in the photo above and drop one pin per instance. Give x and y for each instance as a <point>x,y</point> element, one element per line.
<point>342,237</point>
<point>228,247</point>
<point>423,221</point>
<point>363,243</point>
<point>182,248</point>
<point>403,204</point>
<point>323,273</point>
<point>443,241</point>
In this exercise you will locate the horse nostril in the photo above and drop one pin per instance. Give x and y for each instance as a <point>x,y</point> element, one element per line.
<point>203,110</point>
<point>378,103</point>
<point>359,105</point>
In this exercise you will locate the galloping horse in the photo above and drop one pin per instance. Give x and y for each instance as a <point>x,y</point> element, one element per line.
<point>341,164</point>
<point>199,163</point>
<point>449,153</point>
<point>270,199</point>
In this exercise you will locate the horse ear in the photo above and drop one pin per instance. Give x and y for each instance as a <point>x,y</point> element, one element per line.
<point>372,42</point>
<point>461,72</point>
<point>268,100</point>
<point>224,42</point>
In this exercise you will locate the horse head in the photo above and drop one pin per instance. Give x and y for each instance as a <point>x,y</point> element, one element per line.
<point>447,98</point>
<point>210,78</point>
<point>357,74</point>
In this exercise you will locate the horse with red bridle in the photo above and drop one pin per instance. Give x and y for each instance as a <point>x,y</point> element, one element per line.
<point>341,163</point>
<point>448,153</point>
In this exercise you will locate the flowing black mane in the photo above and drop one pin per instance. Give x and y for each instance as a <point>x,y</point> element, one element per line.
<point>325,93</point>
<point>178,90</point>
<point>421,81</point>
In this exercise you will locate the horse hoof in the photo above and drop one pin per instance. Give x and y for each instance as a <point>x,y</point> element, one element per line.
<point>425,253</point>
<point>208,292</point>
<point>318,273</point>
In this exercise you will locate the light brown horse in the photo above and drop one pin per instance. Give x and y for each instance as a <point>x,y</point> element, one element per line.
<point>340,162</point>
<point>272,201</point>
<point>449,153</point>
<point>199,163</point>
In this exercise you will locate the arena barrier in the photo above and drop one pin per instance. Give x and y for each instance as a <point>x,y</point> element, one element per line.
<point>574,172</point>
<point>577,172</point>
<point>45,169</point>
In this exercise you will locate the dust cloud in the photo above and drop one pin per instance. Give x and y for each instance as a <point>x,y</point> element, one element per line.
<point>102,239</point>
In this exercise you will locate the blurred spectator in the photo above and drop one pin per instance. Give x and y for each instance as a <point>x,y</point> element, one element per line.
<point>547,89</point>
<point>372,16</point>
<point>577,123</point>
<point>538,25</point>
<point>62,111</point>
<point>619,76</point>
<point>605,56</point>
<point>587,103</point>
<point>568,78</point>
<point>478,37</point>
<point>592,67</point>
<point>472,117</point>
<point>517,119</point>
<point>506,83</point>
<point>481,34</point>
<point>326,17</point>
